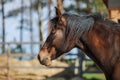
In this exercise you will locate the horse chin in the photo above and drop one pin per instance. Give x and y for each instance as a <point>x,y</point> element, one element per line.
<point>48,64</point>
<point>45,61</point>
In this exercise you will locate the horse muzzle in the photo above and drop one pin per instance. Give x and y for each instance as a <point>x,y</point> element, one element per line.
<point>44,61</point>
<point>44,57</point>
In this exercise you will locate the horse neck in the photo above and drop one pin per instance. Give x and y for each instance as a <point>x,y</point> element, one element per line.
<point>96,47</point>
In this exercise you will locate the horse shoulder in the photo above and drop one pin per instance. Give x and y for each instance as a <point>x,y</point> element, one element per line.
<point>116,71</point>
<point>116,58</point>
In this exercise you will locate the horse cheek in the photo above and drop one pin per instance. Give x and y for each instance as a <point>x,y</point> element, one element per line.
<point>59,38</point>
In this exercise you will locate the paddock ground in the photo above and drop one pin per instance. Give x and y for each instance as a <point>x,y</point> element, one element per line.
<point>18,73</point>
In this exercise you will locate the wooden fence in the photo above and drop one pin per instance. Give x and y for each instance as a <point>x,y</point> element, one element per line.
<point>78,68</point>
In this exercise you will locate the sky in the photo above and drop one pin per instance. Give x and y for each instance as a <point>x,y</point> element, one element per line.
<point>12,23</point>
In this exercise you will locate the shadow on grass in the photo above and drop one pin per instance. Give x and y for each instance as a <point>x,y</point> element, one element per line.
<point>94,79</point>
<point>67,74</point>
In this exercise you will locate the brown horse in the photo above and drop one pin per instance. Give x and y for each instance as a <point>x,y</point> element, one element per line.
<point>95,35</point>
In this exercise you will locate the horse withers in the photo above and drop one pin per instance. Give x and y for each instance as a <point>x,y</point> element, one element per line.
<point>96,36</point>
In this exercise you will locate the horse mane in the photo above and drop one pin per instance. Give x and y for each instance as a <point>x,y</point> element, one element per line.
<point>115,27</point>
<point>100,18</point>
<point>77,24</point>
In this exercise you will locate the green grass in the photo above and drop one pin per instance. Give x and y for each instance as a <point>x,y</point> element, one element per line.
<point>94,76</point>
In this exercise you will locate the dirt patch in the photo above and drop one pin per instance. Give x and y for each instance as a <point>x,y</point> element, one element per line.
<point>19,72</point>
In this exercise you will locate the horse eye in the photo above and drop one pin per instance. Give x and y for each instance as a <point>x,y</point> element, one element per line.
<point>53,31</point>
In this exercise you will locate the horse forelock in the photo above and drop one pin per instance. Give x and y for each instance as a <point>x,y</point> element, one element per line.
<point>53,22</point>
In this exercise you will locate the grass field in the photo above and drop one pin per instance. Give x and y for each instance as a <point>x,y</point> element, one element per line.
<point>94,76</point>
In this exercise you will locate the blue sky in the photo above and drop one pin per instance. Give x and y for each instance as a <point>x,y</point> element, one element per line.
<point>11,23</point>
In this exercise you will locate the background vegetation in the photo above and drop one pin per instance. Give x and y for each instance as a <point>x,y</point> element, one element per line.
<point>32,18</point>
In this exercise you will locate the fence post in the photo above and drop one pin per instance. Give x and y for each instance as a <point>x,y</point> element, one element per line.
<point>8,62</point>
<point>80,56</point>
<point>76,70</point>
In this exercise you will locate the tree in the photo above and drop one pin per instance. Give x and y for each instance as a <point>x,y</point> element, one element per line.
<point>60,5</point>
<point>3,27</point>
<point>99,6</point>
<point>31,27</point>
<point>40,20</point>
<point>21,27</point>
<point>106,3</point>
<point>49,12</point>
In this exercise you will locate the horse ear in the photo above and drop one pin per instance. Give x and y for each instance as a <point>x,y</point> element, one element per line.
<point>60,17</point>
<point>58,12</point>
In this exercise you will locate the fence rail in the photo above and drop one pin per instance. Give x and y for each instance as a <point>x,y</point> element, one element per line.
<point>9,54</point>
<point>21,43</point>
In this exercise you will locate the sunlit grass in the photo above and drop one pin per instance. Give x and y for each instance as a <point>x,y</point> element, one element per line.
<point>94,76</point>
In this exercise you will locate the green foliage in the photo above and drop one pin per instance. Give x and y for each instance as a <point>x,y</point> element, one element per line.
<point>71,7</point>
<point>99,6</point>
<point>91,6</point>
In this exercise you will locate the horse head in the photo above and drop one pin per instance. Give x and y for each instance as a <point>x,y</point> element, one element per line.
<point>55,44</point>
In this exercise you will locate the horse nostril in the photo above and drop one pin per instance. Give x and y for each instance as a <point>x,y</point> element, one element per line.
<point>45,60</point>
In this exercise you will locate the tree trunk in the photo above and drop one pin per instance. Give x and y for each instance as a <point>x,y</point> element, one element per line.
<point>106,3</point>
<point>60,5</point>
<point>3,28</point>
<point>21,27</point>
<point>49,13</point>
<point>31,27</point>
<point>78,6</point>
<point>40,20</point>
